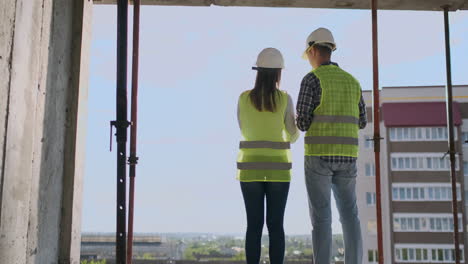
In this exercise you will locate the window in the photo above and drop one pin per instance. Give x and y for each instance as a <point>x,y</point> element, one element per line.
<point>414,163</point>
<point>399,133</point>
<point>370,198</point>
<point>447,254</point>
<point>370,169</point>
<point>445,224</point>
<point>423,253</point>
<point>438,223</point>
<point>405,133</point>
<point>398,254</point>
<point>421,134</point>
<point>400,163</point>
<point>432,221</point>
<point>415,193</point>
<point>428,133</point>
<point>404,254</point>
<point>372,256</point>
<point>423,223</point>
<point>444,193</point>
<point>465,168</point>
<point>407,222</point>
<point>422,162</point>
<point>440,254</point>
<point>404,224</point>
<point>402,194</point>
<point>437,193</point>
<point>411,253</point>
<point>417,226</point>
<point>424,192</point>
<point>393,134</point>
<point>465,138</point>
<point>418,254</point>
<point>429,163</point>
<point>410,224</point>
<point>396,223</point>
<point>412,133</point>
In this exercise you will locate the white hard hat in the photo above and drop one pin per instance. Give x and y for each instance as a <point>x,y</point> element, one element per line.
<point>320,36</point>
<point>270,58</point>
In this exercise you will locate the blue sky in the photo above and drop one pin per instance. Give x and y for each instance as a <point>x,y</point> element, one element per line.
<point>194,63</point>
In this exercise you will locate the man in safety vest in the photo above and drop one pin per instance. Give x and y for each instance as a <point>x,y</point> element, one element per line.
<point>331,111</point>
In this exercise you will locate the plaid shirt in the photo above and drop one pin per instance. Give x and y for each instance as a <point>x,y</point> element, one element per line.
<point>309,99</point>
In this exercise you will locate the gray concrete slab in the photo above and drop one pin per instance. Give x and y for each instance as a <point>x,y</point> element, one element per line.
<point>75,134</point>
<point>7,16</point>
<point>428,5</point>
<point>19,141</point>
<point>44,57</point>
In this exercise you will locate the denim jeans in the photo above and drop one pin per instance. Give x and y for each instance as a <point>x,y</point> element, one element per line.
<point>321,177</point>
<point>276,194</point>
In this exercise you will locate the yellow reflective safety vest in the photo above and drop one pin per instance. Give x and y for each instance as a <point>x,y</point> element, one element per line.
<point>265,150</point>
<point>335,126</point>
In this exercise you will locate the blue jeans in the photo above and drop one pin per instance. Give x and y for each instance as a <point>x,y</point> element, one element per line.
<point>321,177</point>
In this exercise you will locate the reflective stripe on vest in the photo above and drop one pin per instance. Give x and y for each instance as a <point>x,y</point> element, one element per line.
<point>264,165</point>
<point>335,119</point>
<point>264,144</point>
<point>331,140</point>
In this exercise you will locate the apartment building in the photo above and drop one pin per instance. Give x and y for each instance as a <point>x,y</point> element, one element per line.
<point>415,175</point>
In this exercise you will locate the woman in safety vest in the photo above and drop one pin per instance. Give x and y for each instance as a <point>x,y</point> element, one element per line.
<point>267,122</point>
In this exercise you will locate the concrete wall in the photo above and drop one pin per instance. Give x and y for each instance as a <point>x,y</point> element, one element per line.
<point>44,48</point>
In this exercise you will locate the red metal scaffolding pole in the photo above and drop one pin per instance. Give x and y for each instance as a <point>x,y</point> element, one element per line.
<point>133,159</point>
<point>451,138</point>
<point>376,121</point>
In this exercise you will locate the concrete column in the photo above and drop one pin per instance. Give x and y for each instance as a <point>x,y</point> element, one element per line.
<point>44,50</point>
<point>75,136</point>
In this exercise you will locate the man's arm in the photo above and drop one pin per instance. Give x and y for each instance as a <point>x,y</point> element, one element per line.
<point>289,121</point>
<point>308,100</point>
<point>362,113</point>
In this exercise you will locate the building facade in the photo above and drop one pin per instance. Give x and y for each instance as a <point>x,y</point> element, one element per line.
<point>415,175</point>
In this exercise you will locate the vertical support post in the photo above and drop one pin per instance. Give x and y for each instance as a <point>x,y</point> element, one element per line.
<point>121,126</point>
<point>377,138</point>
<point>451,139</point>
<point>133,159</point>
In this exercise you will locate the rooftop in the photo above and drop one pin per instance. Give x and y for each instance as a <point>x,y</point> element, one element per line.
<point>419,114</point>
<point>110,238</point>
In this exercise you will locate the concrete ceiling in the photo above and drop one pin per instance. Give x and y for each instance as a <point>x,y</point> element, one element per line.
<point>428,5</point>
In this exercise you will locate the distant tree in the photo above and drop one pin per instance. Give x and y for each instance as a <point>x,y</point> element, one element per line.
<point>147,256</point>
<point>239,256</point>
<point>103,261</point>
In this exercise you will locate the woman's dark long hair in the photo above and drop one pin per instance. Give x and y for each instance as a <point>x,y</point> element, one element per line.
<point>263,96</point>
